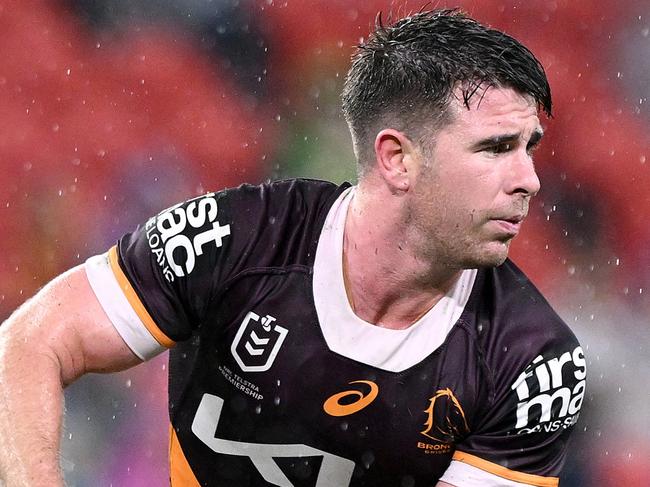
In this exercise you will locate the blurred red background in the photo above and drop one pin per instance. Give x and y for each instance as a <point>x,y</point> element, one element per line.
<point>110,111</point>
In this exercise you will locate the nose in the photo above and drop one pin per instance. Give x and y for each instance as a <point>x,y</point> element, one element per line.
<point>522,177</point>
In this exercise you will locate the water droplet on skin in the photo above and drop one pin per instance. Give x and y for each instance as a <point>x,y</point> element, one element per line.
<point>128,383</point>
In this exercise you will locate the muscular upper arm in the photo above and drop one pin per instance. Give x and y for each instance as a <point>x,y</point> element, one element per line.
<point>65,322</point>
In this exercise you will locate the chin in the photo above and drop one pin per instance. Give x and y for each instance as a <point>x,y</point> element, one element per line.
<point>490,257</point>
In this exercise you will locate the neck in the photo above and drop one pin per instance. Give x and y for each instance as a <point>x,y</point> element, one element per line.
<point>387,283</point>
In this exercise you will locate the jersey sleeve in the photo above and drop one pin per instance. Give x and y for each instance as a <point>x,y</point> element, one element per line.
<point>538,373</point>
<point>156,283</point>
<point>162,282</point>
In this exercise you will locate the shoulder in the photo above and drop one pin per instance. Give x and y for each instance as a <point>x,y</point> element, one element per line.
<point>536,372</point>
<point>294,193</point>
<point>519,313</point>
<point>526,345</point>
<point>279,222</point>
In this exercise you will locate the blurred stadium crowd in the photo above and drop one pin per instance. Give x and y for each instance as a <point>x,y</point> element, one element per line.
<point>111,110</point>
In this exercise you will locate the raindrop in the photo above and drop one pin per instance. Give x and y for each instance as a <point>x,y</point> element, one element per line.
<point>368,458</point>
<point>408,481</point>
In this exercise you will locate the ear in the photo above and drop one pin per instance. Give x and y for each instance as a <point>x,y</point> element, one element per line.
<point>393,153</point>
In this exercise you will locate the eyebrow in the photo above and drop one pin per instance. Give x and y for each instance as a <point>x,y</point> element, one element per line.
<point>535,138</point>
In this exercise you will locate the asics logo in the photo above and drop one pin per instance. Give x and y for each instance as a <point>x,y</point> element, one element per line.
<point>340,405</point>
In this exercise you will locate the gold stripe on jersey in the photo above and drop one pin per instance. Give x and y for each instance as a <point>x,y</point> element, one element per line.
<point>180,472</point>
<point>506,473</point>
<point>135,302</point>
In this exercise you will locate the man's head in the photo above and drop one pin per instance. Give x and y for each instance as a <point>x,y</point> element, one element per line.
<point>406,74</point>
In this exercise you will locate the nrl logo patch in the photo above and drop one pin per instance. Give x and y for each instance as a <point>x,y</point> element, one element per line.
<point>257,342</point>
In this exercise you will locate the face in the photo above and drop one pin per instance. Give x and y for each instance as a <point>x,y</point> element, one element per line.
<point>472,188</point>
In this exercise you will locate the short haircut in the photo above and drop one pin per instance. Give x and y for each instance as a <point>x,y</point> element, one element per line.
<point>404,76</point>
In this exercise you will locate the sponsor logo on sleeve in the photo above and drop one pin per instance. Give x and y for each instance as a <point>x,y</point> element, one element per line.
<point>257,342</point>
<point>176,252</point>
<point>545,402</point>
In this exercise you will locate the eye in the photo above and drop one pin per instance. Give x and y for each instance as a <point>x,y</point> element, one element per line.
<point>500,148</point>
<point>531,148</point>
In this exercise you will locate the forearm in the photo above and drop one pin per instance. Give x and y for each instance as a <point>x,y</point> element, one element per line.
<point>48,343</point>
<point>31,407</point>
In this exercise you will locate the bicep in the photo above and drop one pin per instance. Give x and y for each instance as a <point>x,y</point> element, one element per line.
<point>65,322</point>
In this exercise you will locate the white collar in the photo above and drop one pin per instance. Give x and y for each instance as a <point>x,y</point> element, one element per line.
<point>392,350</point>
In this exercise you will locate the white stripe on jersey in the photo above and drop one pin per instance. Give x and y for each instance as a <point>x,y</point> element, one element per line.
<point>460,474</point>
<point>352,337</point>
<point>117,307</point>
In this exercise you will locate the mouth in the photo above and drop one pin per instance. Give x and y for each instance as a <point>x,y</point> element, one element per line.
<point>510,225</point>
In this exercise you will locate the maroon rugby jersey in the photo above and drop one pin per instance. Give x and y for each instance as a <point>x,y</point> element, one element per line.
<point>273,381</point>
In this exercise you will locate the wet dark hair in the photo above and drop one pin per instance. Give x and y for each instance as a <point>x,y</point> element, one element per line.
<point>405,74</point>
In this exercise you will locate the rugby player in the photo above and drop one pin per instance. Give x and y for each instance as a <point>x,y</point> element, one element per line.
<point>332,336</point>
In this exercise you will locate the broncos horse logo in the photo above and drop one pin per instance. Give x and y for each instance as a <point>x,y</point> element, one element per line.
<point>446,421</point>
